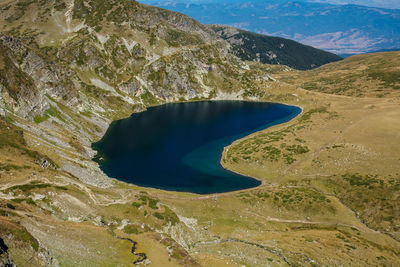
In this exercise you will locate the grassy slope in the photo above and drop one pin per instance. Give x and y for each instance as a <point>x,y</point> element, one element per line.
<point>370,75</point>
<point>298,211</point>
<point>300,214</point>
<point>342,146</point>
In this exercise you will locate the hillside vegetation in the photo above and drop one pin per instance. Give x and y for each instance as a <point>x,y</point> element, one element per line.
<point>274,50</point>
<point>344,145</point>
<point>329,193</point>
<point>370,75</point>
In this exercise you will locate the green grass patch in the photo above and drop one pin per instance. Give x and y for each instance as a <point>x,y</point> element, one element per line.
<point>9,167</point>
<point>50,112</point>
<point>25,188</point>
<point>389,78</point>
<point>151,202</point>
<point>307,115</point>
<point>168,216</point>
<point>130,229</point>
<point>297,149</point>
<point>136,204</point>
<point>39,119</point>
<point>360,180</point>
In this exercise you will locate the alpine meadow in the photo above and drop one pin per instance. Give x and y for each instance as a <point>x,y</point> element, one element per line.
<point>133,135</point>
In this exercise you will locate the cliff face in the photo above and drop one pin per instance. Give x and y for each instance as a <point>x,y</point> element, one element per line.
<point>28,77</point>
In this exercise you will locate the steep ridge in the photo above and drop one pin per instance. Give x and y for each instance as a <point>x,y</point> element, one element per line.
<point>273,50</point>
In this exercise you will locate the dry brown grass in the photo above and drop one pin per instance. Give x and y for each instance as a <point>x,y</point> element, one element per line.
<point>298,212</point>
<point>371,75</point>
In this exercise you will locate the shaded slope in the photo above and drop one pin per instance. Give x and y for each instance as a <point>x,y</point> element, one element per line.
<point>274,50</point>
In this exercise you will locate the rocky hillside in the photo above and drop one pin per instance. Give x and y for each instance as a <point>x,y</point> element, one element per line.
<point>76,52</point>
<point>68,68</point>
<point>58,57</point>
<point>273,50</point>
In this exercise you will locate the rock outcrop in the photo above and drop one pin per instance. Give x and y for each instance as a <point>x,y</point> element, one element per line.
<point>68,72</point>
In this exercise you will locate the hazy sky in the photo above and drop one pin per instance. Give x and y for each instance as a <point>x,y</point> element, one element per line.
<point>373,3</point>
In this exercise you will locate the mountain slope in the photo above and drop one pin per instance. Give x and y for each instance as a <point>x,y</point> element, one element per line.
<point>69,68</point>
<point>83,56</point>
<point>346,145</point>
<point>340,29</point>
<point>273,50</point>
<point>147,56</point>
<point>372,75</point>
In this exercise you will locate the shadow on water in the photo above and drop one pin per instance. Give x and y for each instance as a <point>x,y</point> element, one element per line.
<point>178,146</point>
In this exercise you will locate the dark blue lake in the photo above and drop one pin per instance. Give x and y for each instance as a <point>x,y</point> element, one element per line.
<point>179,146</point>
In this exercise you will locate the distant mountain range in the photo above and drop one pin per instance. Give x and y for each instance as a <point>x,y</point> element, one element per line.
<point>389,4</point>
<point>341,29</point>
<point>377,51</point>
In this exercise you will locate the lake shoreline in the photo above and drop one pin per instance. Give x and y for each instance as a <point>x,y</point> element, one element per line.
<point>234,105</point>
<point>263,182</point>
